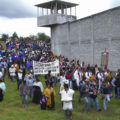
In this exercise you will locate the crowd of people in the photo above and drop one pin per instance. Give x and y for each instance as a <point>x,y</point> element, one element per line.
<point>17,61</point>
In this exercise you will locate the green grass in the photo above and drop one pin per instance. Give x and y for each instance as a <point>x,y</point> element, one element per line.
<point>11,109</point>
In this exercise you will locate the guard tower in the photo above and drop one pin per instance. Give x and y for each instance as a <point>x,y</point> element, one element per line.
<point>55,12</point>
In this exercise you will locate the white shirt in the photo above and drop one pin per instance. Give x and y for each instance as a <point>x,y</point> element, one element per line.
<point>100,76</point>
<point>30,82</point>
<point>3,87</point>
<point>27,76</point>
<point>1,74</point>
<point>113,82</point>
<point>76,77</point>
<point>20,76</point>
<point>62,80</point>
<point>66,98</point>
<point>88,75</point>
<point>12,71</point>
<point>105,73</point>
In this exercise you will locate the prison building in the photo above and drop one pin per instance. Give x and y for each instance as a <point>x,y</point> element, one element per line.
<point>84,39</point>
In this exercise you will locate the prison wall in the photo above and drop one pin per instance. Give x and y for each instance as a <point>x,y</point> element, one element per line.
<point>86,38</point>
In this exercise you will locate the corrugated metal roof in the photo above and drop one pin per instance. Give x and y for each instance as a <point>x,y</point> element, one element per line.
<point>59,3</point>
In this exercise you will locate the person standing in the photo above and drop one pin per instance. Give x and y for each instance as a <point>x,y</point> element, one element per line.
<point>77,77</point>
<point>12,72</point>
<point>85,94</point>
<point>37,91</point>
<point>50,94</point>
<point>19,79</point>
<point>30,82</point>
<point>67,98</point>
<point>48,78</point>
<point>105,94</point>
<point>117,85</point>
<point>80,90</point>
<point>24,92</point>
<point>69,78</point>
<point>93,96</point>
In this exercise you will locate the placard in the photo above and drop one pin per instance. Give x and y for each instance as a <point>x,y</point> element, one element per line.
<point>43,68</point>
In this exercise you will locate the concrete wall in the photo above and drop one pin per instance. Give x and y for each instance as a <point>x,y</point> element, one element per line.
<point>87,38</point>
<point>61,44</point>
<point>53,19</point>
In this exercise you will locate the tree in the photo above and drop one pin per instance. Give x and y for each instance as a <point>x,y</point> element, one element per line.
<point>43,37</point>
<point>14,36</point>
<point>33,37</point>
<point>4,37</point>
<point>27,38</point>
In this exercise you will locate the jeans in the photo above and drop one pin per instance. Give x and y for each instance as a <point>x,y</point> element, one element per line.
<point>96,102</point>
<point>31,91</point>
<point>12,78</point>
<point>80,96</point>
<point>105,101</point>
<point>18,83</point>
<point>55,81</point>
<point>118,92</point>
<point>86,99</point>
<point>99,84</point>
<point>24,100</point>
<point>68,114</point>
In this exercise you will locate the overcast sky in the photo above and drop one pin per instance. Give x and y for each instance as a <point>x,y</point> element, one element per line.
<point>20,15</point>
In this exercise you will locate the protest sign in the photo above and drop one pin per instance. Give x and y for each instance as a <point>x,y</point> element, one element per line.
<point>104,58</point>
<point>43,68</point>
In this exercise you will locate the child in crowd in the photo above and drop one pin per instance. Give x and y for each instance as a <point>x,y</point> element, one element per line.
<point>43,102</point>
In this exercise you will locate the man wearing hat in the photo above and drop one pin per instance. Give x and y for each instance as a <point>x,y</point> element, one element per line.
<point>67,98</point>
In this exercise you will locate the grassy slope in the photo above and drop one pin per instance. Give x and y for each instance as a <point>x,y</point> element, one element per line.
<point>10,108</point>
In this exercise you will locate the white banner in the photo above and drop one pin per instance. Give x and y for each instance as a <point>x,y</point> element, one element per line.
<point>43,68</point>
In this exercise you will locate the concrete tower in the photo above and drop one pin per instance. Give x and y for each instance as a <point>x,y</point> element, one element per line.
<point>55,12</point>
